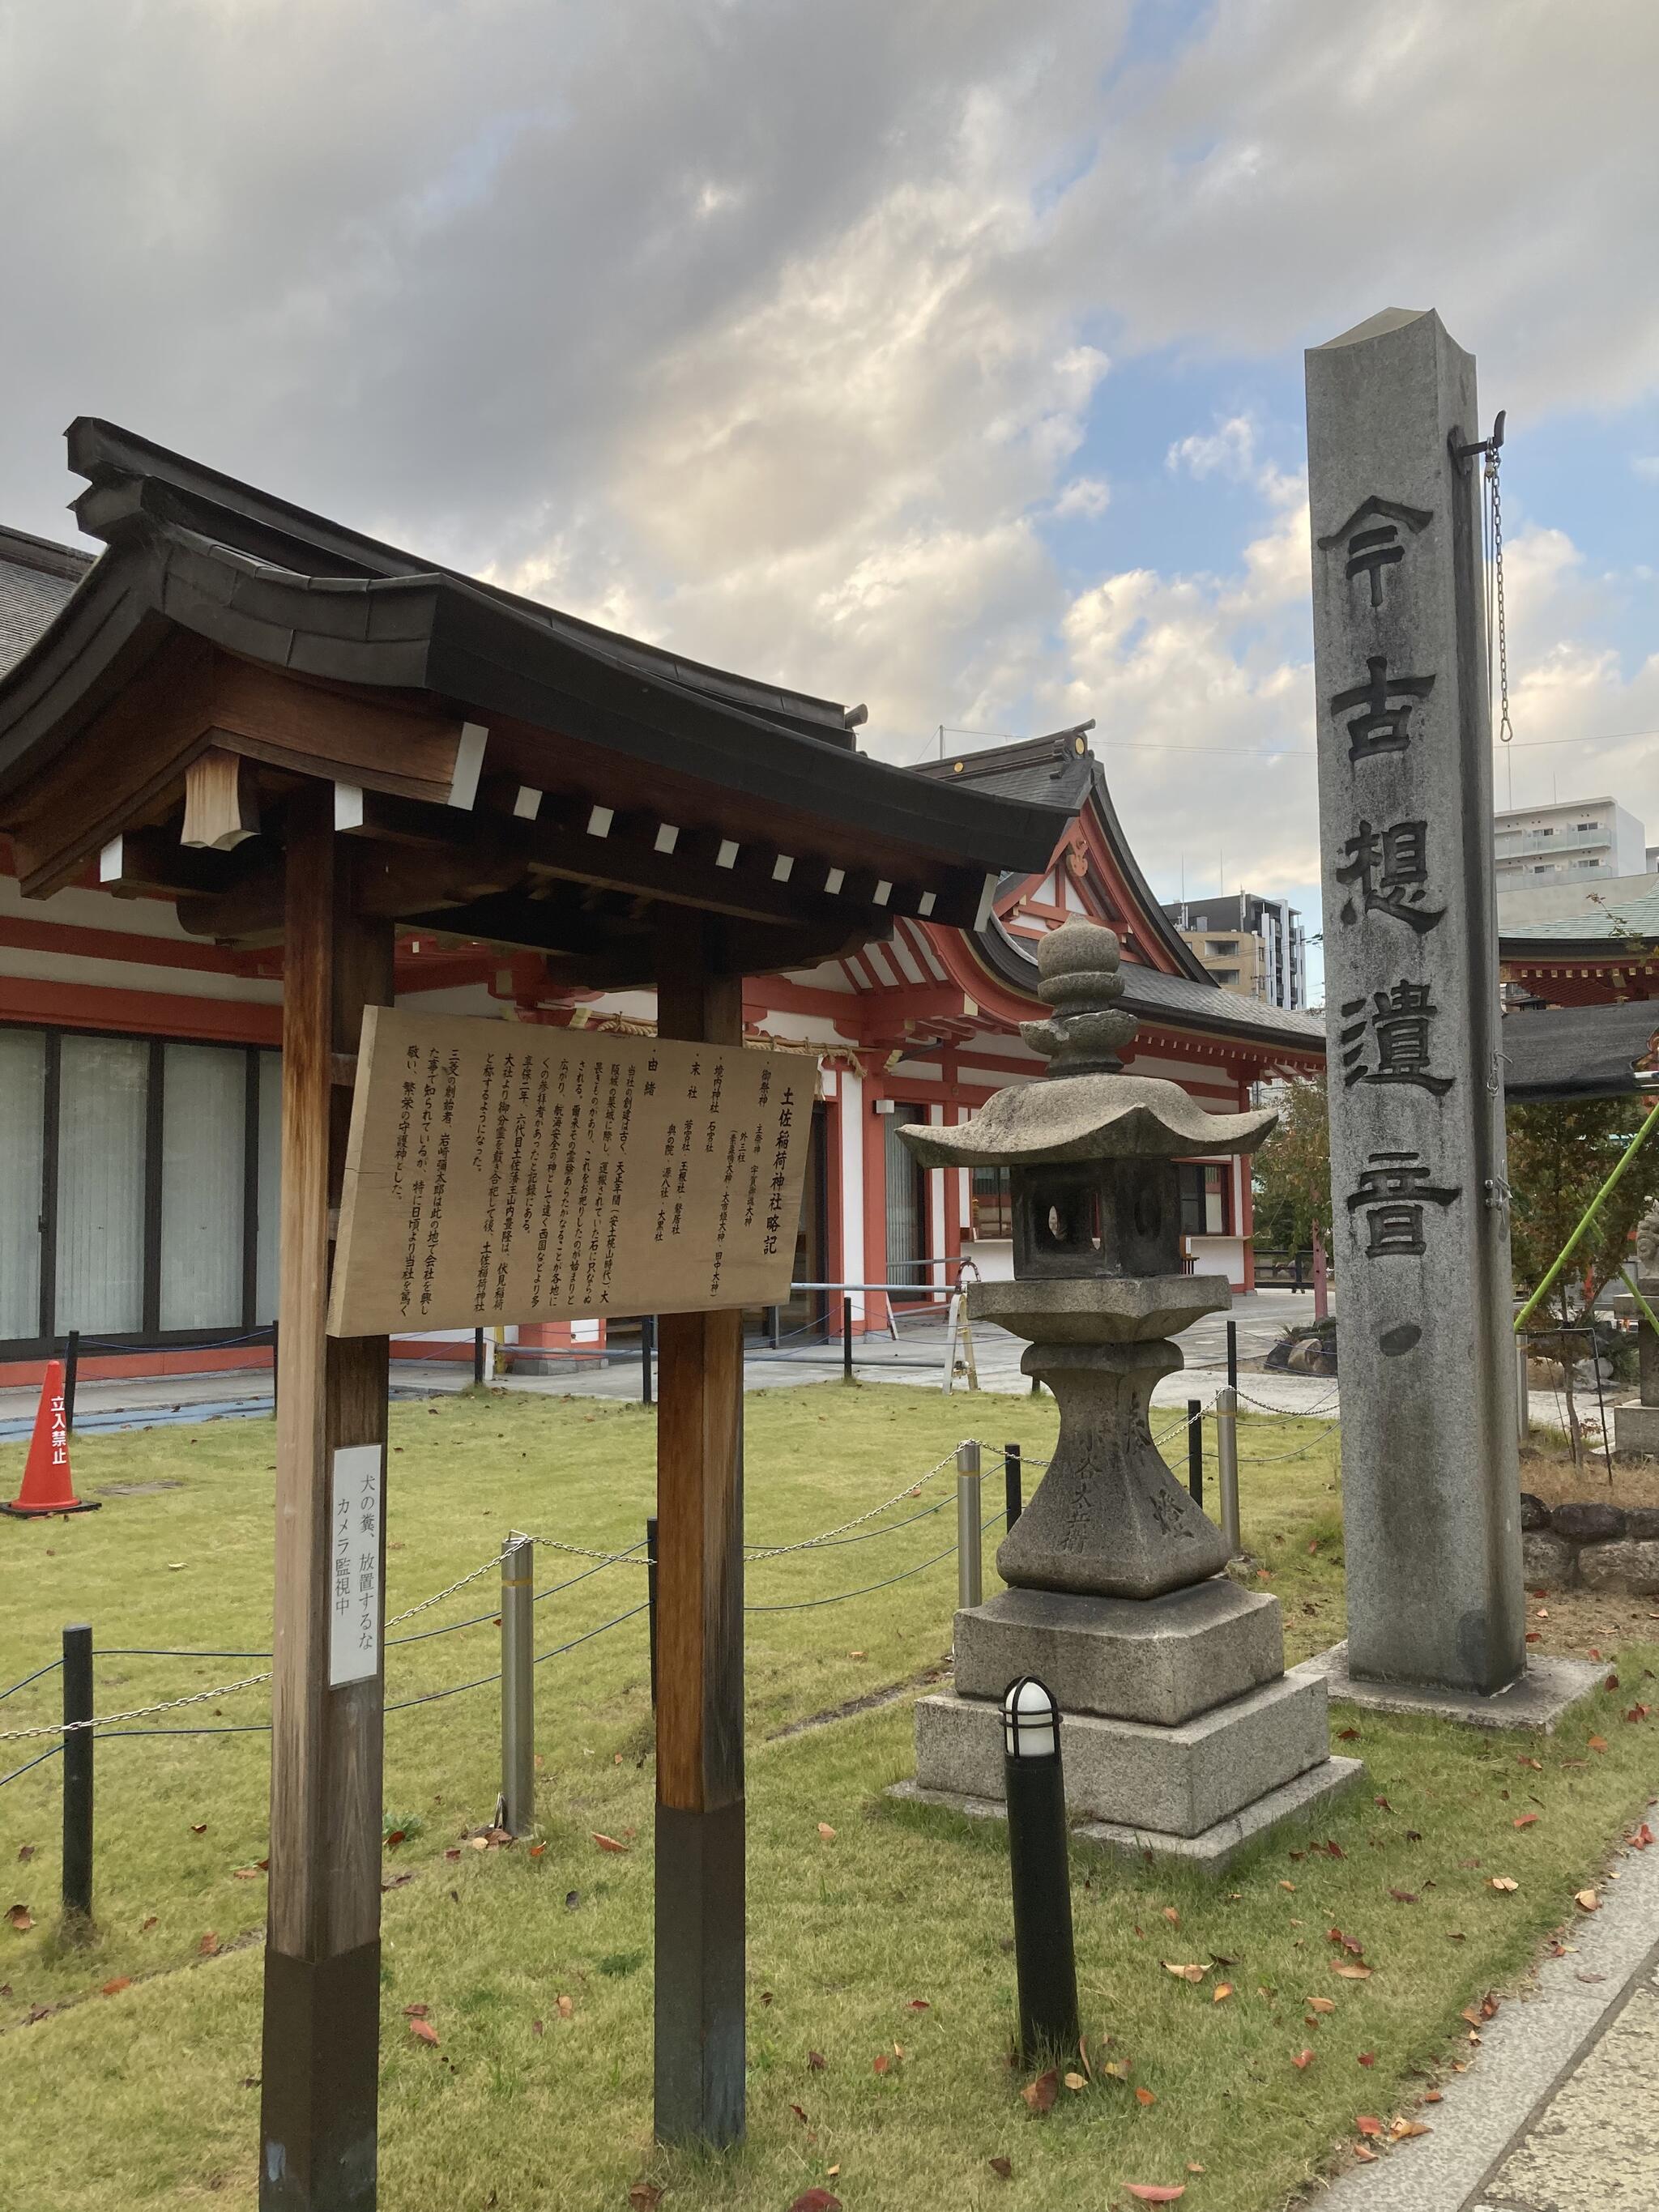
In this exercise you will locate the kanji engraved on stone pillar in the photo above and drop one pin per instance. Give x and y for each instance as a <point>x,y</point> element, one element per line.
<point>1431,1491</point>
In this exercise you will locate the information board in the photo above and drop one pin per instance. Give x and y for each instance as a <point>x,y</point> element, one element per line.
<point>501,1172</point>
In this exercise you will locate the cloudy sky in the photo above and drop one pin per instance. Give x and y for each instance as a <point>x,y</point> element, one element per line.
<point>941,354</point>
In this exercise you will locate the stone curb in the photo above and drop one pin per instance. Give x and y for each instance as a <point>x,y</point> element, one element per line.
<point>1525,2055</point>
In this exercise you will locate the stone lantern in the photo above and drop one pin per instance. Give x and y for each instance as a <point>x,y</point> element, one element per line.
<point>1184,1732</point>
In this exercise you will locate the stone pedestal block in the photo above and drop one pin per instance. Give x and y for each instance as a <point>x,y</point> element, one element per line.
<point>1636,1429</point>
<point>1176,1781</point>
<point>1162,1660</point>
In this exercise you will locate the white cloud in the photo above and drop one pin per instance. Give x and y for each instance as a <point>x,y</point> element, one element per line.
<point>1089,496</point>
<point>1228,450</point>
<point>1646,465</point>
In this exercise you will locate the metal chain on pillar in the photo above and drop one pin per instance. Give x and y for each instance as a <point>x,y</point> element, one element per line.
<point>1497,626</point>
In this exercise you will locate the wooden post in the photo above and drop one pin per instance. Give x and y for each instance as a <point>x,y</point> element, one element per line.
<point>700,1997</point>
<point>318,2119</point>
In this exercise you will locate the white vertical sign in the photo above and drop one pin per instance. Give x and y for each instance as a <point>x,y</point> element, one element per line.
<point>354,1635</point>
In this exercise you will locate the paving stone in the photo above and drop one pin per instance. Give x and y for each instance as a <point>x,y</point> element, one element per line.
<point>1597,2142</point>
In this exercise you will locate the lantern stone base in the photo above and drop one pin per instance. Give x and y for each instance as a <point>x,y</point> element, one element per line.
<point>1169,1781</point>
<point>1164,1660</point>
<point>1301,1801</point>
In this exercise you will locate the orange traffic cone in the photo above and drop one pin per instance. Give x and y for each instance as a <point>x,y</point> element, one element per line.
<point>47,1485</point>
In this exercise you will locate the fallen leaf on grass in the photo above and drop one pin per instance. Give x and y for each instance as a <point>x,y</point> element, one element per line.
<point>826,1831</point>
<point>608,1843</point>
<point>1223,1991</point>
<point>424,2030</point>
<point>919,2004</point>
<point>1347,1736</point>
<point>816,2061</point>
<point>1598,1743</point>
<point>208,1944</point>
<point>20,1917</point>
<point>1302,2060</point>
<point>1003,2168</point>
<point>1039,2095</point>
<point>1611,1682</point>
<point>25,1853</point>
<point>1145,2097</point>
<point>817,2200</point>
<point>1322,2004</point>
<point>147,1923</point>
<point>1404,1896</point>
<point>539,2027</point>
<point>565,2006</point>
<point>1192,1973</point>
<point>121,1982</point>
<point>538,1850</point>
<point>1153,2192</point>
<point>394,1838</point>
<point>416,2011</point>
<point>645,2197</point>
<point>799,2112</point>
<point>1525,1820</point>
<point>1587,1901</point>
<point>1076,2081</point>
<point>1505,1883</point>
<point>884,2065</point>
<point>1637,1713</point>
<point>1349,1972</point>
<point>1368,2058</point>
<point>1172,1916</point>
<point>1368,2124</point>
<point>1354,1949</point>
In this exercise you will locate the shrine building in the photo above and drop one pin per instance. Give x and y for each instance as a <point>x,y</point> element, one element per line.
<point>140,1078</point>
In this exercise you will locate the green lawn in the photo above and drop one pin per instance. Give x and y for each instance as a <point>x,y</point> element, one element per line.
<point>849,1932</point>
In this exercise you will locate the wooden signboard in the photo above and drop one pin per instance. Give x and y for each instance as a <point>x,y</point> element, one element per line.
<point>505,1172</point>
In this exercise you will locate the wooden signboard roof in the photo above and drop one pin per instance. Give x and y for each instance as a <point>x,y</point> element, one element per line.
<point>532,780</point>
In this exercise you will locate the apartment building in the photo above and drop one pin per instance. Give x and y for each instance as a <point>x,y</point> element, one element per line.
<point>1568,841</point>
<point>1254,945</point>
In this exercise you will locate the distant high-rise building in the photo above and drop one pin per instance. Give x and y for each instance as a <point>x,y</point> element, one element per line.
<point>1251,945</point>
<point>1568,841</point>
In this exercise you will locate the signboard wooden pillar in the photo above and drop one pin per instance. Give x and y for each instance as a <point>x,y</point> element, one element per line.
<point>317,2120</point>
<point>700,1995</point>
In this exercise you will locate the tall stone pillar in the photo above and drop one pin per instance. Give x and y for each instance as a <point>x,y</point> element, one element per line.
<point>1431,1489</point>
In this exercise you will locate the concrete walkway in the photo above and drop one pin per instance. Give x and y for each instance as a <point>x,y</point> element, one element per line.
<point>1557,2111</point>
<point>917,1359</point>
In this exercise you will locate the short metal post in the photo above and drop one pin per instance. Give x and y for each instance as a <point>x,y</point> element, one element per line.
<point>647,1346</point>
<point>1045,1959</point>
<point>1227,1459</point>
<point>969,1581</point>
<point>77,1772</point>
<point>71,1373</point>
<point>519,1685</point>
<point>1523,1399</point>
<point>846,1338</point>
<point>1014,1489</point>
<point>477,1358</point>
<point>651,1596</point>
<point>774,1327</point>
<point>1196,1452</point>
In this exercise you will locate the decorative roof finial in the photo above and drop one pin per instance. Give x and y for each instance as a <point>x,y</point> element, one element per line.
<point>1079,965</point>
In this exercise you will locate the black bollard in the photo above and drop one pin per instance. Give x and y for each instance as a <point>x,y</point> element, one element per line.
<point>651,1596</point>
<point>1195,1450</point>
<point>1045,1960</point>
<point>71,1373</point>
<point>1232,1355</point>
<point>77,1772</point>
<point>478,1358</point>
<point>846,1340</point>
<point>1012,1487</point>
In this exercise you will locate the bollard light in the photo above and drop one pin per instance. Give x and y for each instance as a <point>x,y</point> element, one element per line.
<point>1035,1787</point>
<point>1030,1720</point>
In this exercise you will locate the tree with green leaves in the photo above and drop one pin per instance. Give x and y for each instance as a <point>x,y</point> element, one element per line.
<point>1560,1155</point>
<point>1292,1171</point>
